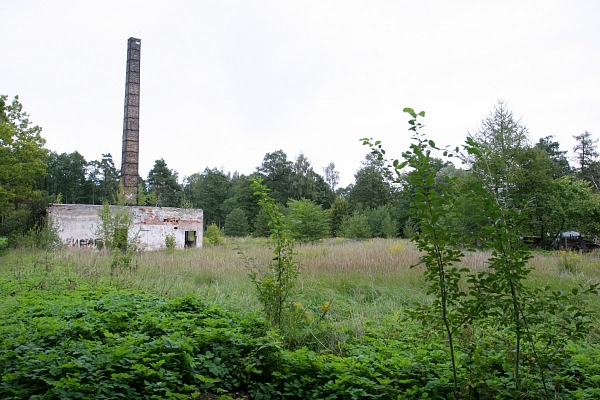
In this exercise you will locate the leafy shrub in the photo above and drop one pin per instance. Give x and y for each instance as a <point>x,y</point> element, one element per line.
<point>357,226</point>
<point>213,235</point>
<point>124,344</point>
<point>170,242</point>
<point>43,236</point>
<point>338,213</point>
<point>308,221</point>
<point>381,222</point>
<point>110,343</point>
<point>3,244</point>
<point>113,231</point>
<point>274,283</point>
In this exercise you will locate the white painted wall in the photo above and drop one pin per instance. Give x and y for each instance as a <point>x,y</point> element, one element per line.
<point>77,224</point>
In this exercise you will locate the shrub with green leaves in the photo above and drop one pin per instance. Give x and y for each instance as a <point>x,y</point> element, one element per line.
<point>356,226</point>
<point>214,235</point>
<point>274,282</point>
<point>108,345</point>
<point>534,317</point>
<point>113,232</point>
<point>308,221</point>
<point>170,242</point>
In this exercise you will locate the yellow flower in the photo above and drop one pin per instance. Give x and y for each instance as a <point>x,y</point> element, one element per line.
<point>325,307</point>
<point>396,248</point>
<point>307,317</point>
<point>298,304</point>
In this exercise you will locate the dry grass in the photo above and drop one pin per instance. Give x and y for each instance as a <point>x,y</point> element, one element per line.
<point>362,279</point>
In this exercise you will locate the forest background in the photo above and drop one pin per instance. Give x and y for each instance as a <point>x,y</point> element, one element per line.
<point>556,191</point>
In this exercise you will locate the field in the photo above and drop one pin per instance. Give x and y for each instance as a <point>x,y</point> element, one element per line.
<point>353,299</point>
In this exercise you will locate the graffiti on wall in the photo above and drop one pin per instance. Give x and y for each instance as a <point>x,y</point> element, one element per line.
<point>73,242</point>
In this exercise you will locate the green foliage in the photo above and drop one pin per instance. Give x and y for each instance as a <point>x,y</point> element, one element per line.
<point>261,225</point>
<point>66,175</point>
<point>532,315</point>
<point>276,172</point>
<point>560,162</point>
<point>43,236</point>
<point>440,245</point>
<point>170,242</point>
<point>356,226</point>
<point>370,190</point>
<point>208,190</point>
<point>142,196</point>
<point>339,210</point>
<point>162,182</point>
<point>110,344</point>
<point>241,195</point>
<point>236,223</point>
<point>96,345</point>
<point>381,221</point>
<point>275,282</point>
<point>59,338</point>
<point>586,154</point>
<point>22,155</point>
<point>503,292</point>
<point>308,221</point>
<point>213,235</point>
<point>113,232</point>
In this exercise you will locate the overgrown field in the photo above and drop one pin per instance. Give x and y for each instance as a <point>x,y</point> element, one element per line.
<point>187,324</point>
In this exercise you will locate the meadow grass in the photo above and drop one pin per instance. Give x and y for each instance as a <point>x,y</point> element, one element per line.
<point>361,279</point>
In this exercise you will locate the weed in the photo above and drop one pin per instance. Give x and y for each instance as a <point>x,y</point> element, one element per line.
<point>568,261</point>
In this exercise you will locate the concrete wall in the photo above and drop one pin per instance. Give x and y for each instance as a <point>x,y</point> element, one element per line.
<point>78,223</point>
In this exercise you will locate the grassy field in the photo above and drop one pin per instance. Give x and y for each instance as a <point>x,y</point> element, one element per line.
<point>362,280</point>
<point>69,329</point>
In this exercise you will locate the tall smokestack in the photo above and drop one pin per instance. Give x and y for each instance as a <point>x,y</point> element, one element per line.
<point>131,122</point>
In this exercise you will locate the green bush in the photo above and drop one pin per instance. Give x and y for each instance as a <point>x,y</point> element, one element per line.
<point>357,226</point>
<point>213,235</point>
<point>170,242</point>
<point>308,221</point>
<point>109,343</point>
<point>381,222</point>
<point>84,344</point>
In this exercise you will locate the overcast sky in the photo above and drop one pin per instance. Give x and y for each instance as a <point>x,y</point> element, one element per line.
<point>225,82</point>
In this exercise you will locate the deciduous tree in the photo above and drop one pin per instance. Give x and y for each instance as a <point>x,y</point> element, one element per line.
<point>22,155</point>
<point>276,172</point>
<point>586,153</point>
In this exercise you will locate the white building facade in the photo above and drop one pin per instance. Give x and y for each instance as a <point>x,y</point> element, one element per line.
<point>77,225</point>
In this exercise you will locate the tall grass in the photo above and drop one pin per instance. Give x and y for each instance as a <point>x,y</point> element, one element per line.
<point>362,280</point>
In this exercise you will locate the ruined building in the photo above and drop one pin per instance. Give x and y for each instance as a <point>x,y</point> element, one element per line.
<point>79,224</point>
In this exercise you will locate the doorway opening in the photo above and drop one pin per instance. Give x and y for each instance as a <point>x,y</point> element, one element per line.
<point>190,239</point>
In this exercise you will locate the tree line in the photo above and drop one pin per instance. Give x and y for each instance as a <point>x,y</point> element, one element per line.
<point>554,194</point>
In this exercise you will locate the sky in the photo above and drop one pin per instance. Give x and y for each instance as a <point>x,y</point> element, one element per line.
<point>223,83</point>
